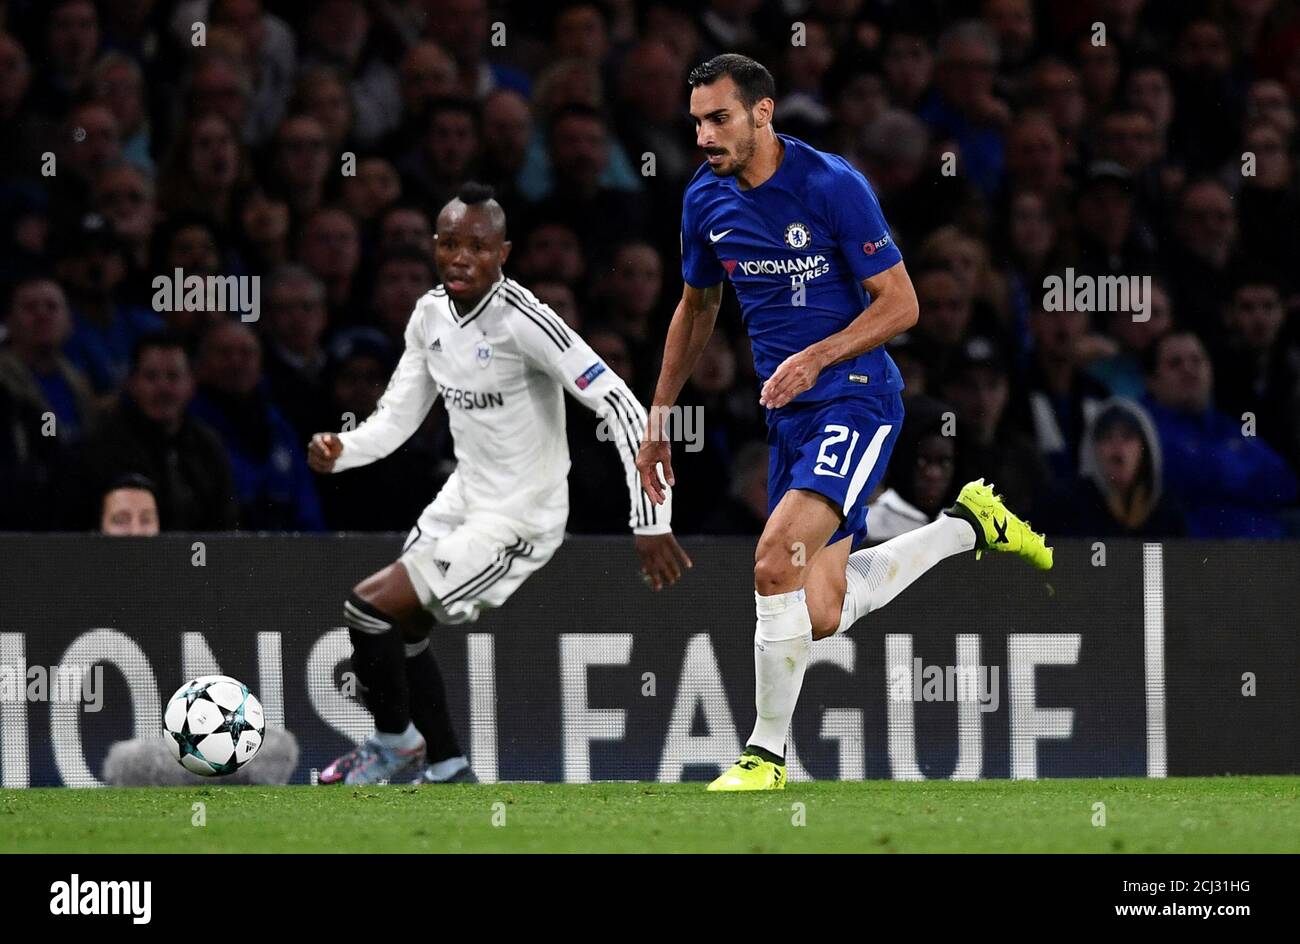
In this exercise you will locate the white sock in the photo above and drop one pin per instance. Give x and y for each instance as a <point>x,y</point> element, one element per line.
<point>782,641</point>
<point>407,740</point>
<point>878,574</point>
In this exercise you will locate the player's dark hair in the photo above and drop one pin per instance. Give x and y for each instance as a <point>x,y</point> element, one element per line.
<point>753,81</point>
<point>475,194</point>
<point>472,192</point>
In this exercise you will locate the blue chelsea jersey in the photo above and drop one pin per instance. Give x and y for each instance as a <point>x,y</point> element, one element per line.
<point>796,248</point>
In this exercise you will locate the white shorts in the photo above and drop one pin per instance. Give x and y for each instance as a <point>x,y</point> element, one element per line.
<point>462,564</point>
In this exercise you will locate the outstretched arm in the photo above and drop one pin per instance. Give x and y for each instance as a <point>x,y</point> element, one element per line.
<point>551,345</point>
<point>403,407</point>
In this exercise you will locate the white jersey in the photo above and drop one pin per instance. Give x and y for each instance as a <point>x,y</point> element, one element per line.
<point>502,369</point>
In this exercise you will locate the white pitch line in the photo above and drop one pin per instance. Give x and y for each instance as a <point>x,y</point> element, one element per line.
<point>1153,635</point>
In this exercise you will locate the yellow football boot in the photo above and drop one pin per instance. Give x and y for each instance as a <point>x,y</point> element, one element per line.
<point>996,528</point>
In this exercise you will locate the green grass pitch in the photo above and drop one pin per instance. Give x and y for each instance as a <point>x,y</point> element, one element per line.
<point>1227,814</point>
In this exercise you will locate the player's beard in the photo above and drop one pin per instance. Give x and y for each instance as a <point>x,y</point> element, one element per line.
<point>743,154</point>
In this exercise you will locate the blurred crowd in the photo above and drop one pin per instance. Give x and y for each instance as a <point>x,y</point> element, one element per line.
<point>312,144</point>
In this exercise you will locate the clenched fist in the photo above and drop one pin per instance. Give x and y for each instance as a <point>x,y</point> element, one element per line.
<point>323,451</point>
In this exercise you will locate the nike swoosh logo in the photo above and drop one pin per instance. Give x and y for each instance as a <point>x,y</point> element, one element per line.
<point>714,239</point>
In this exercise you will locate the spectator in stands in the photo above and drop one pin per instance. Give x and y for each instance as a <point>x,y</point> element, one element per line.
<point>205,168</point>
<point>31,468</point>
<point>1033,250</point>
<point>909,354</point>
<point>273,49</point>
<point>129,508</point>
<point>464,27</point>
<point>1258,375</point>
<point>507,133</point>
<point>88,142</point>
<point>151,433</point>
<point>908,66</point>
<point>922,476</point>
<point>651,119</point>
<point>294,331</point>
<point>979,388</point>
<point>25,127</point>
<point>967,257</point>
<point>337,33</point>
<point>965,108</point>
<point>1055,88</point>
<point>1100,72</point>
<point>426,74</point>
<point>220,83</point>
<point>330,247</point>
<point>1061,397</point>
<point>1268,204</point>
<point>405,226</point>
<point>71,42</point>
<point>1232,485</point>
<point>1002,149</point>
<point>1120,490</point>
<point>118,82</point>
<point>91,267</point>
<point>1203,71</point>
<point>1118,365</point>
<point>945,319</point>
<point>402,275</point>
<point>630,293</point>
<point>551,250</point>
<point>32,364</point>
<point>744,510</point>
<point>382,496</point>
<point>1205,243</point>
<point>598,213</point>
<point>372,189</point>
<point>561,299</point>
<point>1111,239</point>
<point>263,229</point>
<point>447,155</point>
<point>301,163</point>
<point>267,457</point>
<point>1036,157</point>
<point>125,196</point>
<point>322,93</point>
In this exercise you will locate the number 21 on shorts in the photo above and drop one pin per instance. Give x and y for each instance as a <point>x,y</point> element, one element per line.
<point>827,461</point>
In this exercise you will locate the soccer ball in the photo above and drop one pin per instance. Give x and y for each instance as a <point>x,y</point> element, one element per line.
<point>214,725</point>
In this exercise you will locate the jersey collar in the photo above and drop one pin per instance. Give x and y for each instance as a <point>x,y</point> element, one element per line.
<point>477,310</point>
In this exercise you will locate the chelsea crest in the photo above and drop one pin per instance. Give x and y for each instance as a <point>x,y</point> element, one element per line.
<point>797,236</point>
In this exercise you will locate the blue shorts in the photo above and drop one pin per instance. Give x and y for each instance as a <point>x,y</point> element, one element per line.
<point>836,448</point>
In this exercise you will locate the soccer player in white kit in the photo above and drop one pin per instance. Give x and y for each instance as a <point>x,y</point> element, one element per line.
<point>501,361</point>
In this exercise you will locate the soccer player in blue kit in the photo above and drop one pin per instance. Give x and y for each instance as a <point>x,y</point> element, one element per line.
<point>822,287</point>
